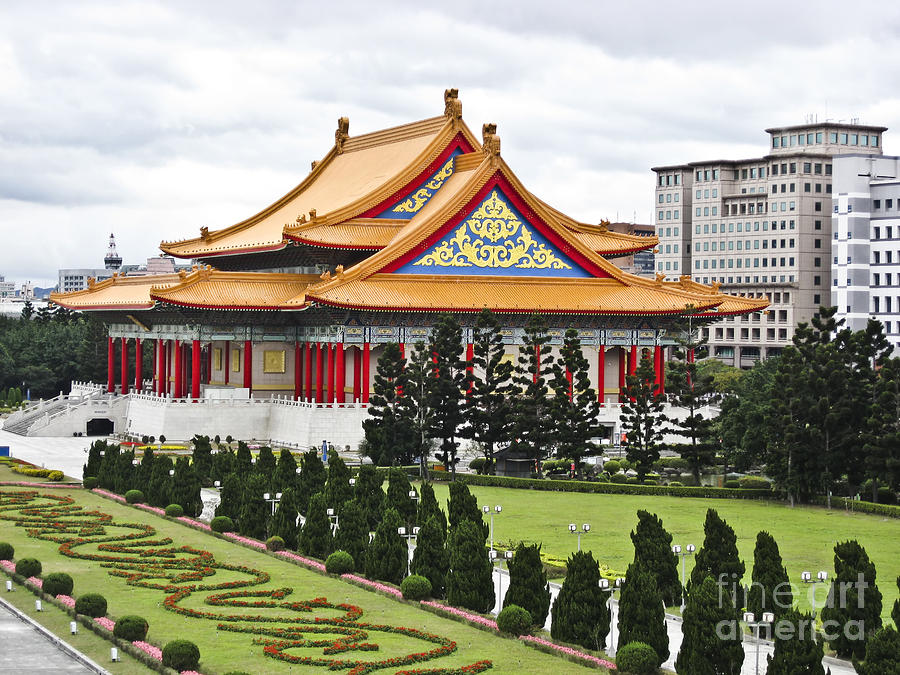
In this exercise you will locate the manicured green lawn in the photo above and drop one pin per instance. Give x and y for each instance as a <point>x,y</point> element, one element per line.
<point>222,651</point>
<point>806,535</point>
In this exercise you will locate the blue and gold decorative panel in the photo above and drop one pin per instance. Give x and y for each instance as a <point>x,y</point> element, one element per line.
<point>495,240</point>
<point>409,206</point>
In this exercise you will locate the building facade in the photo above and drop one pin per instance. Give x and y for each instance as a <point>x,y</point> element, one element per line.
<point>760,227</point>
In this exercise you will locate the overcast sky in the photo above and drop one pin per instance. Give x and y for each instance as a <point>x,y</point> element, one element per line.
<point>151,119</point>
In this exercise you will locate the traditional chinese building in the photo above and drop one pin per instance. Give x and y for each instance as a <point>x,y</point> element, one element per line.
<point>388,230</point>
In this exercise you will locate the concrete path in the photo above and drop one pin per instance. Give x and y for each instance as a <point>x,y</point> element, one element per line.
<point>67,454</point>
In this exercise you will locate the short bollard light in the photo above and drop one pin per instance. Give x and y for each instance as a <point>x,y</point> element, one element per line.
<point>38,606</point>
<point>8,586</point>
<point>113,654</point>
<point>73,627</point>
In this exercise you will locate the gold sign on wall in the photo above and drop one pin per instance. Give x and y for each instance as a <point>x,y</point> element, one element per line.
<point>273,361</point>
<point>235,360</point>
<point>217,358</point>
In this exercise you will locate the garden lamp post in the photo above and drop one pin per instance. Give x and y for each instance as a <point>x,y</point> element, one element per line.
<point>573,528</point>
<point>820,578</point>
<point>683,553</point>
<point>750,620</point>
<point>487,509</point>
<point>333,517</point>
<point>500,556</point>
<point>217,483</point>
<point>408,535</point>
<point>605,586</point>
<point>273,500</point>
<point>352,482</point>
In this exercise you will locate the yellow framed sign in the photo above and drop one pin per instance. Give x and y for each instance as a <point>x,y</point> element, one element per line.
<point>273,361</point>
<point>217,358</point>
<point>235,360</point>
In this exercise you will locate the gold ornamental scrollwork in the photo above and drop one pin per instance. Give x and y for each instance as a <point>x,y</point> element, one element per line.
<point>418,199</point>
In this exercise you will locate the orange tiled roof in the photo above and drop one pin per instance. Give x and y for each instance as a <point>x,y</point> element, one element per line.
<point>359,233</point>
<point>213,289</point>
<point>730,304</point>
<point>118,292</point>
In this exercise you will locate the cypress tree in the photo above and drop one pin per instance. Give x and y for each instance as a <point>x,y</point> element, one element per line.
<point>643,420</point>
<point>430,558</point>
<point>882,434</point>
<point>532,429</point>
<point>718,557</point>
<point>882,652</point>
<point>92,468</point>
<point>315,537</point>
<point>353,535</point>
<point>338,491</point>
<point>398,491</point>
<point>528,586</point>
<point>312,479</point>
<point>144,469</point>
<point>462,505</point>
<point>895,613</point>
<point>448,388</point>
<point>429,507</point>
<point>795,649</point>
<point>223,463</point>
<point>369,495</point>
<point>642,617</point>
<point>855,615</point>
<point>653,552</point>
<point>417,413</point>
<point>202,457</point>
<point>265,463</point>
<point>712,638</point>
<point>770,590</point>
<point>386,557</point>
<point>470,582</point>
<point>387,432</point>
<point>186,488</point>
<point>243,459</point>
<point>160,487</point>
<point>580,614</point>
<point>124,471</point>
<point>284,523</point>
<point>231,496</point>
<point>253,518</point>
<point>106,476</point>
<point>285,472</point>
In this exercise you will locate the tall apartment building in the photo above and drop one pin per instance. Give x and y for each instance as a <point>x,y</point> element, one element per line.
<point>761,227</point>
<point>865,267</point>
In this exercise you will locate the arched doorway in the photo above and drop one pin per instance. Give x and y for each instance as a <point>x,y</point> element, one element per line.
<point>99,427</point>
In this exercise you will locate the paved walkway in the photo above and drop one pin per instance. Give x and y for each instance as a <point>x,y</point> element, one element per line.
<point>27,650</point>
<point>68,454</point>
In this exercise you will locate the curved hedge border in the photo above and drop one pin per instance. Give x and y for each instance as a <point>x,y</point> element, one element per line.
<point>887,510</point>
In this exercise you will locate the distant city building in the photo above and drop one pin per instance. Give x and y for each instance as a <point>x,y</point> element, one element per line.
<point>640,262</point>
<point>759,227</point>
<point>7,288</point>
<point>865,265</point>
<point>112,260</point>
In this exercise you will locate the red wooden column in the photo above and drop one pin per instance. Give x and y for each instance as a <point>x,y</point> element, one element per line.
<point>657,369</point>
<point>569,380</point>
<point>195,369</point>
<point>110,365</point>
<point>365,373</point>
<point>320,372</point>
<point>308,348</point>
<point>330,368</point>
<point>159,366</point>
<point>167,369</point>
<point>209,350</point>
<point>177,393</point>
<point>123,343</point>
<point>339,375</point>
<point>601,374</point>
<point>357,374</point>
<point>622,354</point>
<point>226,364</point>
<point>184,369</point>
<point>138,365</point>
<point>298,370</point>
<point>402,350</point>
<point>248,366</point>
<point>470,366</point>
<point>633,361</point>
<point>690,358</point>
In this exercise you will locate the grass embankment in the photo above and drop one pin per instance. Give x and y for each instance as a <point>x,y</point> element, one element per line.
<point>806,535</point>
<point>222,651</point>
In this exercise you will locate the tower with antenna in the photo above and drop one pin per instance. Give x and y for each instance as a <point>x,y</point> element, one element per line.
<point>112,260</point>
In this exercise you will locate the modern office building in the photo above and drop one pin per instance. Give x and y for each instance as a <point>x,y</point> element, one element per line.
<point>640,262</point>
<point>760,227</point>
<point>865,265</point>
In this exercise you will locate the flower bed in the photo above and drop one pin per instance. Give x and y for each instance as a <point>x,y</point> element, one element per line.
<point>362,581</point>
<point>66,600</point>
<point>150,650</point>
<point>290,555</point>
<point>106,622</point>
<point>568,651</point>
<point>246,541</point>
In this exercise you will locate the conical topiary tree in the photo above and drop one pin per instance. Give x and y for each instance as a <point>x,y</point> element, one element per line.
<point>369,495</point>
<point>265,464</point>
<point>92,468</point>
<point>895,613</point>
<point>353,535</point>
<point>338,490</point>
<point>253,518</point>
<point>855,615</point>
<point>186,488</point>
<point>430,558</point>
<point>106,476</point>
<point>653,551</point>
<point>718,557</point>
<point>243,460</point>
<point>882,654</point>
<point>315,537</point>
<point>398,498</point>
<point>386,559</point>
<point>428,507</point>
<point>312,479</point>
<point>470,582</point>
<point>202,458</point>
<point>580,613</point>
<point>284,523</point>
<point>285,472</point>
<point>159,489</point>
<point>462,505</point>
<point>528,586</point>
<point>712,637</point>
<point>795,650</point>
<point>642,617</point>
<point>230,497</point>
<point>123,479</point>
<point>770,590</point>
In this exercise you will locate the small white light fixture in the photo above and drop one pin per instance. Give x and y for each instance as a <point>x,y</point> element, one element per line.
<point>330,512</point>
<point>498,508</point>
<point>676,549</point>
<point>586,527</point>
<point>401,531</point>
<point>749,617</point>
<point>486,509</point>
<point>171,472</point>
<point>508,555</point>
<point>8,586</point>
<point>413,494</point>
<point>73,627</point>
<point>768,617</point>
<point>38,606</point>
<point>690,548</point>
<point>277,495</point>
<point>299,471</point>
<point>217,483</point>
<point>415,531</point>
<point>113,654</point>
<point>266,495</point>
<point>352,482</point>
<point>822,576</point>
<point>805,576</point>
<point>604,584</point>
<point>573,527</point>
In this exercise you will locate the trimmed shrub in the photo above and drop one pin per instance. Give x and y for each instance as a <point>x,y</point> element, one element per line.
<point>675,483</point>
<point>6,551</point>
<point>600,478</point>
<point>58,583</point>
<point>754,483</point>
<point>181,655</point>
<point>222,524</point>
<point>91,604</point>
<point>514,619</point>
<point>56,476</point>
<point>28,567</point>
<point>174,511</point>
<point>90,482</point>
<point>612,466</point>
<point>131,628</point>
<point>275,543</point>
<point>637,658</point>
<point>339,562</point>
<point>415,587</point>
<point>886,496</point>
<point>134,497</point>
<point>732,484</point>
<point>632,480</point>
<point>651,481</point>
<point>618,478</point>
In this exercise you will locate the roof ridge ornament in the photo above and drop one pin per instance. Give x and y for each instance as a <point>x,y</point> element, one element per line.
<point>341,134</point>
<point>452,104</point>
<point>604,226</point>
<point>204,233</point>
<point>490,140</point>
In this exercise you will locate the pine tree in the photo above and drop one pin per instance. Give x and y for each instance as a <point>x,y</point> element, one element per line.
<point>462,505</point>
<point>265,463</point>
<point>144,469</point>
<point>224,462</point>
<point>284,522</point>
<point>387,432</point>
<point>428,507</point>
<point>448,388</point>
<point>574,407</point>
<point>315,536</point>
<point>416,411</point>
<point>487,405</point>
<point>338,491</point>
<point>285,472</point>
<point>718,557</point>
<point>470,582</point>
<point>580,614</point>
<point>895,613</point>
<point>186,488</point>
<point>653,552</point>
<point>243,459</point>
<point>253,518</point>
<point>770,590</point>
<point>795,649</point>
<point>430,558</point>
<point>369,495</point>
<point>353,535</point>
<point>854,601</point>
<point>231,496</point>
<point>398,498</point>
<point>643,421</point>
<point>882,652</point>
<point>528,585</point>
<point>387,555</point>
<point>106,476</point>
<point>712,638</point>
<point>202,458</point>
<point>160,487</point>
<point>532,430</point>
<point>312,479</point>
<point>882,433</point>
<point>642,616</point>
<point>124,471</point>
<point>92,468</point>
